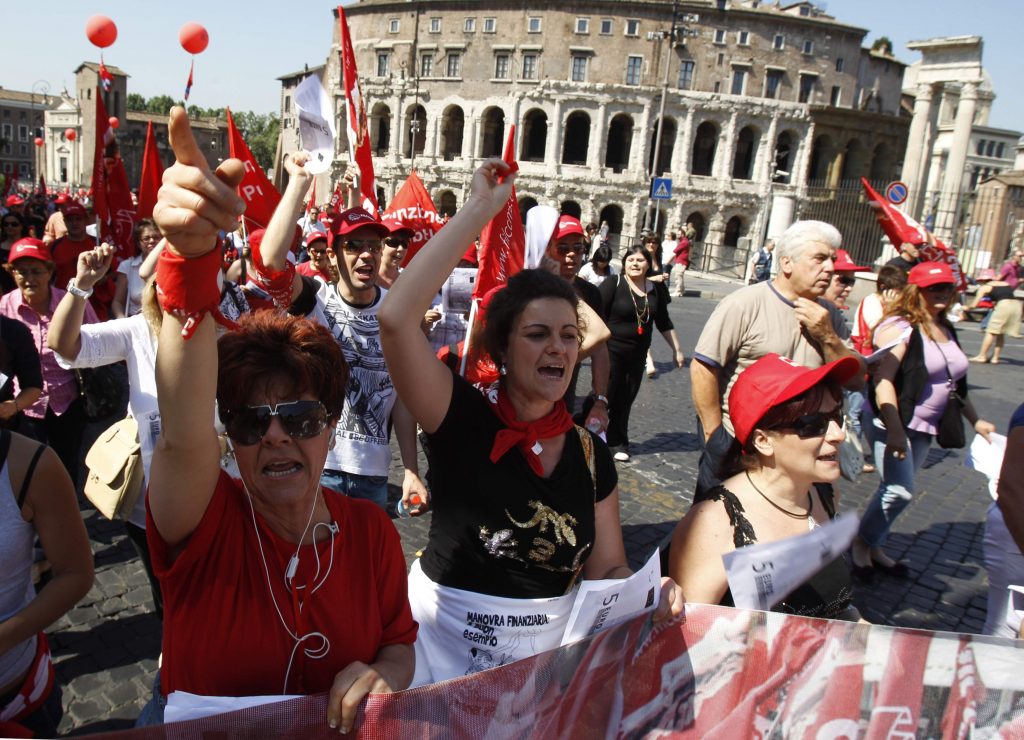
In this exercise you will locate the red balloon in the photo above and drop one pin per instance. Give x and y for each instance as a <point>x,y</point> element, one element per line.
<point>39,141</point>
<point>114,123</point>
<point>193,38</point>
<point>70,134</point>
<point>101,31</point>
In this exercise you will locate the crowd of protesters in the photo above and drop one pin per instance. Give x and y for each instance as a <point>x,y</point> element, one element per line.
<point>267,369</point>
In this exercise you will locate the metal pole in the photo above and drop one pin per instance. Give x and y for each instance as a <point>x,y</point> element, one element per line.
<point>661,120</point>
<point>414,125</point>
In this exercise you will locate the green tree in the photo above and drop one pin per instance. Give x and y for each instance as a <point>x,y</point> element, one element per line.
<point>260,132</point>
<point>135,102</point>
<point>883,44</point>
<point>161,104</point>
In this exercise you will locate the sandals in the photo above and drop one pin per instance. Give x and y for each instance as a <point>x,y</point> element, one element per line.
<point>979,359</point>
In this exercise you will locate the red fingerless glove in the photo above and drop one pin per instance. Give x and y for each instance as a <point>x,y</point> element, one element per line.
<point>277,284</point>
<point>190,288</point>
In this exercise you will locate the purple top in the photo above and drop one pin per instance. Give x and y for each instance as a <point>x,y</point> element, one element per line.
<point>1010,273</point>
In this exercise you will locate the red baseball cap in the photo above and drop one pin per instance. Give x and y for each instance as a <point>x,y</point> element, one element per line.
<point>315,236</point>
<point>924,274</point>
<point>29,248</point>
<point>773,380</point>
<point>568,225</point>
<point>356,218</point>
<point>14,200</point>
<point>843,263</point>
<point>397,228</point>
<point>75,209</point>
<point>61,199</point>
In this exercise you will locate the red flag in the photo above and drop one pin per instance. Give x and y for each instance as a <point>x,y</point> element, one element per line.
<point>151,177</point>
<point>900,228</point>
<point>106,79</point>
<point>112,197</point>
<point>355,121</point>
<point>897,705</point>
<point>962,707</point>
<point>413,207</point>
<point>336,199</point>
<point>260,196</point>
<point>188,84</point>
<point>502,242</point>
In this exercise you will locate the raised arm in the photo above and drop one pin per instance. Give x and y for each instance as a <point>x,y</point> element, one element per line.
<point>194,204</point>
<point>65,335</point>
<point>423,383</point>
<point>281,229</point>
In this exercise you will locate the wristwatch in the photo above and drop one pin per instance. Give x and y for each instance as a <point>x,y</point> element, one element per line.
<point>78,292</point>
<point>599,397</point>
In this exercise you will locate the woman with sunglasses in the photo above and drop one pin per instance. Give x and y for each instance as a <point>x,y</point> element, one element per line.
<point>12,229</point>
<point>271,583</point>
<point>911,387</point>
<point>396,244</point>
<point>524,502</point>
<point>788,427</point>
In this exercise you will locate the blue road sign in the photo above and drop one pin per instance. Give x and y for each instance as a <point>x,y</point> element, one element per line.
<point>661,188</point>
<point>896,192</point>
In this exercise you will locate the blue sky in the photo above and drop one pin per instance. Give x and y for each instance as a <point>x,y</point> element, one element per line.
<point>253,43</point>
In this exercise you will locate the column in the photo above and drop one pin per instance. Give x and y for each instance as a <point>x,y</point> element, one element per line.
<point>470,146</point>
<point>644,131</point>
<point>398,133</point>
<point>598,140</point>
<point>553,151</point>
<point>952,181</point>
<point>916,148</point>
<point>764,168</point>
<point>684,143</point>
<point>432,143</point>
<point>726,151</point>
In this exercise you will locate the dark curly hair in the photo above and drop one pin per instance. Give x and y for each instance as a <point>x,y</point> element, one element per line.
<point>508,303</point>
<point>286,353</point>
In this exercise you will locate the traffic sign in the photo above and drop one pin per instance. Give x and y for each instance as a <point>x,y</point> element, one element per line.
<point>661,188</point>
<point>896,192</point>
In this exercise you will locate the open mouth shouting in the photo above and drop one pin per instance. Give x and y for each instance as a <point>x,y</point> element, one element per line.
<point>281,468</point>
<point>552,372</point>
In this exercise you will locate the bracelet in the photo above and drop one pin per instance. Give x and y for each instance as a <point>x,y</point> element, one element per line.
<point>16,409</point>
<point>78,292</point>
<point>599,397</point>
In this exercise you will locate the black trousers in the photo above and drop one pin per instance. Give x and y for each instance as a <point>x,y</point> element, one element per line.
<point>625,374</point>
<point>63,433</point>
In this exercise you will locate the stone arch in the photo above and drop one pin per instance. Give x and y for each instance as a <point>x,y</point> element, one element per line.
<point>668,142</point>
<point>417,140</point>
<point>882,163</point>
<point>855,161</point>
<point>735,227</point>
<point>620,139</point>
<point>380,128</point>
<point>576,141</point>
<point>700,224</point>
<point>493,136</point>
<point>613,215</point>
<point>453,124</point>
<point>526,202</point>
<point>785,159</point>
<point>746,153</point>
<point>822,152</point>
<point>704,144</point>
<point>571,208</point>
<point>446,203</point>
<point>535,135</point>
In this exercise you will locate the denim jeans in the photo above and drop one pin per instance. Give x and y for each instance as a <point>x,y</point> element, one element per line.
<point>897,486</point>
<point>370,487</point>
<point>153,712</point>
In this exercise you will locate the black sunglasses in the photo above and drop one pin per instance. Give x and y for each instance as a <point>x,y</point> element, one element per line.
<point>815,425</point>
<point>940,288</point>
<point>847,280</point>
<point>301,419</point>
<point>577,247</point>
<point>395,242</point>
<point>358,246</point>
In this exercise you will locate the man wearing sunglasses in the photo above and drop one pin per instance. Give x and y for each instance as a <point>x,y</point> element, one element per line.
<point>786,315</point>
<point>843,279</point>
<point>318,266</point>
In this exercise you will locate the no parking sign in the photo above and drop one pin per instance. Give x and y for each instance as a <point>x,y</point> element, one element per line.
<point>896,192</point>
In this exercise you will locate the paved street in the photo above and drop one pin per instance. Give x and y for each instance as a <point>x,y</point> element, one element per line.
<point>106,648</point>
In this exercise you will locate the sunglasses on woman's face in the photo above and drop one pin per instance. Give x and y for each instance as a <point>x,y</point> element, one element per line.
<point>301,420</point>
<point>940,288</point>
<point>394,243</point>
<point>815,425</point>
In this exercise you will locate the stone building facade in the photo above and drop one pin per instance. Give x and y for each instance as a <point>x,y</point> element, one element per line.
<point>762,100</point>
<point>21,121</point>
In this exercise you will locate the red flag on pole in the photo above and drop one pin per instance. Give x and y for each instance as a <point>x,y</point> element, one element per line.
<point>962,707</point>
<point>355,120</point>
<point>502,242</point>
<point>413,207</point>
<point>900,228</point>
<point>260,196</point>
<point>334,205</point>
<point>112,197</point>
<point>151,177</point>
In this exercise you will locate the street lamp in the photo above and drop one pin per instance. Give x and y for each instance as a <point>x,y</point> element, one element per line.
<point>41,87</point>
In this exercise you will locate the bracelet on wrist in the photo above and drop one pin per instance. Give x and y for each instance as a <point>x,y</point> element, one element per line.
<point>602,398</point>
<point>74,290</point>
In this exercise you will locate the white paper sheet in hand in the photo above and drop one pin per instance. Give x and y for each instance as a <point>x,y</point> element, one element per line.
<point>316,124</point>
<point>182,705</point>
<point>881,352</point>
<point>601,604</point>
<point>987,458</point>
<point>760,576</point>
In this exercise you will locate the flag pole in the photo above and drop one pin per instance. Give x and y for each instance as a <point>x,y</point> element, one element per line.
<point>469,337</point>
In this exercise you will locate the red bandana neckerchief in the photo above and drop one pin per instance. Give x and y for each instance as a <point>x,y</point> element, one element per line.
<point>526,434</point>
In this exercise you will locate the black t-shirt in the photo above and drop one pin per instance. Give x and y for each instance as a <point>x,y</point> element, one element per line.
<point>901,263</point>
<point>620,314</point>
<point>18,358</point>
<point>498,528</point>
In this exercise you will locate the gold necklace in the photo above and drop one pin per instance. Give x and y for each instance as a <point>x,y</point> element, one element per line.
<point>810,501</point>
<point>642,316</point>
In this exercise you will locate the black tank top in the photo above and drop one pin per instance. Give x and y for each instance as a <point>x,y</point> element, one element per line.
<point>1000,293</point>
<point>826,594</point>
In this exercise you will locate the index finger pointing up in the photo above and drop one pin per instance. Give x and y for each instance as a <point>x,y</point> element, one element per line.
<point>179,132</point>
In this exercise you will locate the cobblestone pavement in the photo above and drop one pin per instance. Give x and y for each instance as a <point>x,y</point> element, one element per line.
<point>106,648</point>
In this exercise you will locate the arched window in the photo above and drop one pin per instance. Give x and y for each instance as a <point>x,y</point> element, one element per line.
<point>882,163</point>
<point>620,139</point>
<point>612,215</point>
<point>380,129</point>
<point>446,204</point>
<point>733,231</point>
<point>453,123</point>
<point>416,130</point>
<point>577,138</point>
<point>493,133</point>
<point>821,157</point>
<point>784,147</point>
<point>535,135</point>
<point>571,208</point>
<point>668,140</point>
<point>704,145</point>
<point>746,150</point>
<point>854,161</point>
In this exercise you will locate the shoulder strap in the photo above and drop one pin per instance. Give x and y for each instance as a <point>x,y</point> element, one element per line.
<point>742,530</point>
<point>827,497</point>
<point>28,475</point>
<point>5,445</point>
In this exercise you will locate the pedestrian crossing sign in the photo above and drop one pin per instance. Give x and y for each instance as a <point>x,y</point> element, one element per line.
<point>661,188</point>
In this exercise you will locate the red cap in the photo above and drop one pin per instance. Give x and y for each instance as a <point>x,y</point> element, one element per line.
<point>29,248</point>
<point>568,225</point>
<point>843,263</point>
<point>397,228</point>
<point>61,199</point>
<point>315,236</point>
<point>356,218</point>
<point>75,209</point>
<point>924,274</point>
<point>773,380</point>
<point>14,200</point>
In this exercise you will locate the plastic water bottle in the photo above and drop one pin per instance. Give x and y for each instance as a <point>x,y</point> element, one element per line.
<point>594,425</point>
<point>415,502</point>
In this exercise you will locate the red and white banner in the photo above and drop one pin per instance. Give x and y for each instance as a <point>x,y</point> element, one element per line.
<point>502,241</point>
<point>412,206</point>
<point>900,228</point>
<point>721,673</point>
<point>151,176</point>
<point>355,120</point>
<point>259,194</point>
<point>111,195</point>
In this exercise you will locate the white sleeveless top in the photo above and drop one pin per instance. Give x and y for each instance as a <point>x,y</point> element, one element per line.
<point>16,591</point>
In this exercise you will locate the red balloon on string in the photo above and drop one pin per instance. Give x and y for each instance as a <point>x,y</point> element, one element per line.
<point>114,123</point>
<point>39,141</point>
<point>101,31</point>
<point>193,38</point>
<point>70,134</point>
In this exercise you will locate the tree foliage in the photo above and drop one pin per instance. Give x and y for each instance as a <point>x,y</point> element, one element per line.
<point>882,44</point>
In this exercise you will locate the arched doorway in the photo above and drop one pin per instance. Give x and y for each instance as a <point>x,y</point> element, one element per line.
<point>700,225</point>
<point>882,163</point>
<point>446,203</point>
<point>612,215</point>
<point>704,145</point>
<point>784,146</point>
<point>668,140</point>
<point>571,208</point>
<point>854,161</point>
<point>453,123</point>
<point>416,128</point>
<point>821,157</point>
<point>493,137</point>
<point>380,129</point>
<point>535,135</point>
<point>734,228</point>
<point>746,151</point>
<point>577,138</point>
<point>620,139</point>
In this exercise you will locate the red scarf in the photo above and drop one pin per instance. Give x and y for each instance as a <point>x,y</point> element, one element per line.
<point>526,434</point>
